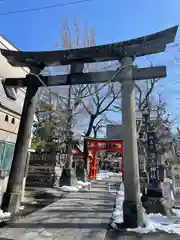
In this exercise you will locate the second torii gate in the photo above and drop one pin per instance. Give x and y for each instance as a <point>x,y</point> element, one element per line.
<point>95,145</point>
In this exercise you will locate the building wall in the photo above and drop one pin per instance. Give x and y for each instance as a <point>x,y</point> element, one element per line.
<point>114,131</point>
<point>9,125</point>
<point>6,70</point>
<point>10,109</point>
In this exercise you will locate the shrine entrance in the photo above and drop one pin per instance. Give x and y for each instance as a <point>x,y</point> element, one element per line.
<point>95,145</point>
<point>125,52</point>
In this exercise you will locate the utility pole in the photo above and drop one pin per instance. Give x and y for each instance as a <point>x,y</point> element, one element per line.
<point>132,210</point>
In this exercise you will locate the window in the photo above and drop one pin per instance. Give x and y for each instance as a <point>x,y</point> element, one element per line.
<point>6,118</point>
<point>2,146</point>
<point>10,92</point>
<point>13,121</point>
<point>7,156</point>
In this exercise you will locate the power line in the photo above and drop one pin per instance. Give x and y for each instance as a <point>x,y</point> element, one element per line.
<point>45,7</point>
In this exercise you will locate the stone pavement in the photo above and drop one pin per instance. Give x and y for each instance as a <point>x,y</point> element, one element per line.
<point>118,235</point>
<point>79,216</point>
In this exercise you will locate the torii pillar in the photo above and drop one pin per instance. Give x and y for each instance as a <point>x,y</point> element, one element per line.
<point>132,213</point>
<point>12,197</point>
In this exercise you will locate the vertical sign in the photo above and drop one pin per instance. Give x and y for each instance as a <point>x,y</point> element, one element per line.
<point>176,178</point>
<point>152,161</point>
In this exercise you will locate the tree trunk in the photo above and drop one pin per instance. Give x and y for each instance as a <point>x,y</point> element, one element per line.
<point>68,176</point>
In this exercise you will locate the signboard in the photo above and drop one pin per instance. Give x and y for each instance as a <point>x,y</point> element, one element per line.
<point>41,169</point>
<point>98,145</point>
<point>153,115</point>
<point>152,159</point>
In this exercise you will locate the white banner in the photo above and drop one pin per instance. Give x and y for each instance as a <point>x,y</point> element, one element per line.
<point>167,194</point>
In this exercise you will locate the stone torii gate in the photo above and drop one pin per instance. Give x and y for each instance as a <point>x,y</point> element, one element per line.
<point>125,52</point>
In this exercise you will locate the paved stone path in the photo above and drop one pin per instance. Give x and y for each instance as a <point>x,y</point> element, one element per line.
<point>117,235</point>
<point>79,216</point>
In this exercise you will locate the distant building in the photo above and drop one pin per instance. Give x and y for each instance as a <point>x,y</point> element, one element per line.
<point>114,131</point>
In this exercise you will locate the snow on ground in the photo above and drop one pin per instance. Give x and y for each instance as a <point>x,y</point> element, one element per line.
<point>4,215</point>
<point>76,188</point>
<point>103,174</point>
<point>153,222</point>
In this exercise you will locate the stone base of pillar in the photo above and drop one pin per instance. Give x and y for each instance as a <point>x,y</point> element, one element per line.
<point>81,174</point>
<point>131,214</point>
<point>23,189</point>
<point>11,202</point>
<point>68,177</point>
<point>151,201</point>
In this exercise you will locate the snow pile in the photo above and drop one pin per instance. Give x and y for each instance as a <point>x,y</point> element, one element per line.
<point>153,222</point>
<point>103,174</point>
<point>4,216</point>
<point>76,188</point>
<point>118,211</point>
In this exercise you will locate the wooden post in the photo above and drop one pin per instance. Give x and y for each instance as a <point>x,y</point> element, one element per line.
<point>92,173</point>
<point>94,165</point>
<point>122,164</point>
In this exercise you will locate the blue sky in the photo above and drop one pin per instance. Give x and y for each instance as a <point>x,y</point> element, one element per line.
<point>112,20</point>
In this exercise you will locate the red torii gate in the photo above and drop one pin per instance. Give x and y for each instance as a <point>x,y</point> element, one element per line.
<point>95,144</point>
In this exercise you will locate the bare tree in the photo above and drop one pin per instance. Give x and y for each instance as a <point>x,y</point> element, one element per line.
<point>51,123</point>
<point>101,102</point>
<point>89,102</point>
<point>103,99</point>
<point>163,125</point>
<point>98,126</point>
<point>92,101</point>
